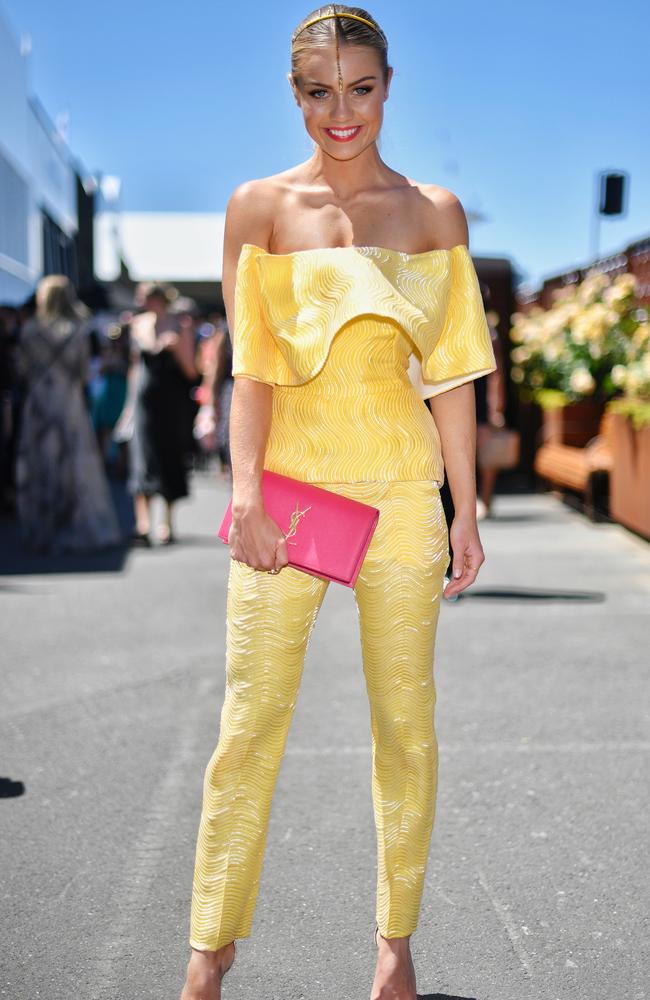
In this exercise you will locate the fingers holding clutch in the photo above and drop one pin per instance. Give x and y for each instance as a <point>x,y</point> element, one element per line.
<point>281,554</point>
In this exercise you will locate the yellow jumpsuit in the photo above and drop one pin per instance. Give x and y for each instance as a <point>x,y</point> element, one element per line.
<point>334,331</point>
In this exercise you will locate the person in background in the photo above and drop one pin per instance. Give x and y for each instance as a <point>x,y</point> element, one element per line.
<point>189,319</point>
<point>223,386</point>
<point>161,371</point>
<point>490,405</point>
<point>215,393</point>
<point>12,394</point>
<point>6,381</point>
<point>205,424</point>
<point>62,495</point>
<point>108,403</point>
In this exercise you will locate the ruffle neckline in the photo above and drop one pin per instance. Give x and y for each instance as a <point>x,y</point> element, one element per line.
<point>304,297</point>
<point>387,250</point>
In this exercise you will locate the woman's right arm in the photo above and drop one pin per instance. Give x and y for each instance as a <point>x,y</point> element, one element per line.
<point>124,423</point>
<point>255,538</point>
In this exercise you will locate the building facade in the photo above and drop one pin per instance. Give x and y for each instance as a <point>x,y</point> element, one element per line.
<point>39,218</point>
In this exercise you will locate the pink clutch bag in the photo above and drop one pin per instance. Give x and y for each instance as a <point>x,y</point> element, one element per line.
<point>327,534</point>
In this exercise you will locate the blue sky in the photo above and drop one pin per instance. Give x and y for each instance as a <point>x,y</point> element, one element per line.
<point>512,106</point>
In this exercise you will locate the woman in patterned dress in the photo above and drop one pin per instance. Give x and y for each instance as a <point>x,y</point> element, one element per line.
<point>62,495</point>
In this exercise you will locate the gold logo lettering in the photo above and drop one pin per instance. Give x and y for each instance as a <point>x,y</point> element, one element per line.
<point>295,518</point>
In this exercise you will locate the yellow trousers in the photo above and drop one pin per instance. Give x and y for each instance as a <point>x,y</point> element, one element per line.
<point>269,622</point>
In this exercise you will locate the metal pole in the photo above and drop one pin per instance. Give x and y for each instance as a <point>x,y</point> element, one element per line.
<point>595,219</point>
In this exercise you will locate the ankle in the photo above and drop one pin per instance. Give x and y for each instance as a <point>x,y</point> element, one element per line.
<point>214,960</point>
<point>398,945</point>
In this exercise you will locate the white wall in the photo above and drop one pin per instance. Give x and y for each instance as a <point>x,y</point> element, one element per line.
<point>53,177</point>
<point>13,106</point>
<point>36,173</point>
<point>160,246</point>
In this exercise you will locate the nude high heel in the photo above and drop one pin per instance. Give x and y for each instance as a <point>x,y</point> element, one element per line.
<point>234,956</point>
<point>227,968</point>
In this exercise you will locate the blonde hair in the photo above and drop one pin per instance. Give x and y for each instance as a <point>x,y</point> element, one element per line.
<point>339,29</point>
<point>56,299</point>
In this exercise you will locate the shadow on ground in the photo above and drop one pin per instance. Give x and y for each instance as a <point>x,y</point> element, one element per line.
<point>441,996</point>
<point>15,560</point>
<point>532,594</point>
<point>11,789</point>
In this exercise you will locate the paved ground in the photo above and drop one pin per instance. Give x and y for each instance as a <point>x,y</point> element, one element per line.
<point>111,693</point>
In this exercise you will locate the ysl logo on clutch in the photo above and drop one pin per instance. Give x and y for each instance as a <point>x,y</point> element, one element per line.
<point>295,518</point>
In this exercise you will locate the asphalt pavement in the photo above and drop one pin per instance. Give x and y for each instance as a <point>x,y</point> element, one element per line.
<point>112,685</point>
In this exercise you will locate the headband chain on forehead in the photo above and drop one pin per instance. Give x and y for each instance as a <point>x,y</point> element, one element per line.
<point>322,17</point>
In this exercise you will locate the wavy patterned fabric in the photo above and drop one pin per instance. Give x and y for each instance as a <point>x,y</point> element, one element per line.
<point>334,330</point>
<point>270,621</point>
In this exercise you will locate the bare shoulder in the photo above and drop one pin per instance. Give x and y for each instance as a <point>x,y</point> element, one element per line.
<point>250,212</point>
<point>256,210</point>
<point>446,218</point>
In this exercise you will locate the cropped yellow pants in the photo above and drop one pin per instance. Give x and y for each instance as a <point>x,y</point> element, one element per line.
<point>269,622</point>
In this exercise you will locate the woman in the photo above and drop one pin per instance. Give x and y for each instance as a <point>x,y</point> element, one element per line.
<point>223,387</point>
<point>107,405</point>
<point>325,320</point>
<point>161,371</point>
<point>215,392</point>
<point>490,406</point>
<point>62,496</point>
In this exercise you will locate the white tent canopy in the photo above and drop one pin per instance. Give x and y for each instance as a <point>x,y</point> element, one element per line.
<point>160,246</point>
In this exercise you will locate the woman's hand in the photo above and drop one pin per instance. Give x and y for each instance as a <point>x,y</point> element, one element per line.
<point>468,555</point>
<point>123,427</point>
<point>496,418</point>
<point>205,427</point>
<point>257,540</point>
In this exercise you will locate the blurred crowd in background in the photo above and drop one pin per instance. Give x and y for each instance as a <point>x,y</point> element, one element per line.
<point>90,400</point>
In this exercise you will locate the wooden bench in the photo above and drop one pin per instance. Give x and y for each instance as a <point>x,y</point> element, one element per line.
<point>580,470</point>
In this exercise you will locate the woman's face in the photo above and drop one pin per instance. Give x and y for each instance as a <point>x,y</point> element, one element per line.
<point>343,113</point>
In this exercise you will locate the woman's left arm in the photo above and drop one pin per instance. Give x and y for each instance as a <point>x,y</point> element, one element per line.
<point>454,413</point>
<point>454,410</point>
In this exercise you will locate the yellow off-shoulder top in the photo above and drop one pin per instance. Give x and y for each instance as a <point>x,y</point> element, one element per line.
<point>334,331</point>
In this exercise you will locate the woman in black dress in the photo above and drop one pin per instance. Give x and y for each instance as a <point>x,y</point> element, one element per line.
<point>160,377</point>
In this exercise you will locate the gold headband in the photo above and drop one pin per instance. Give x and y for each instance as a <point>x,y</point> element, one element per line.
<point>322,17</point>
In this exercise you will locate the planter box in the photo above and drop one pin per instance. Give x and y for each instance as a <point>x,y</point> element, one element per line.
<point>630,477</point>
<point>574,424</point>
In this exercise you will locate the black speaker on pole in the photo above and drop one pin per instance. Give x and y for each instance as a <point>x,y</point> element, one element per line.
<point>613,192</point>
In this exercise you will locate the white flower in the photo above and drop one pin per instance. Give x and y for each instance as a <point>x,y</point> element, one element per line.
<point>626,281</point>
<point>582,381</point>
<point>634,381</point>
<point>641,335</point>
<point>618,374</point>
<point>520,354</point>
<point>593,285</point>
<point>552,351</point>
